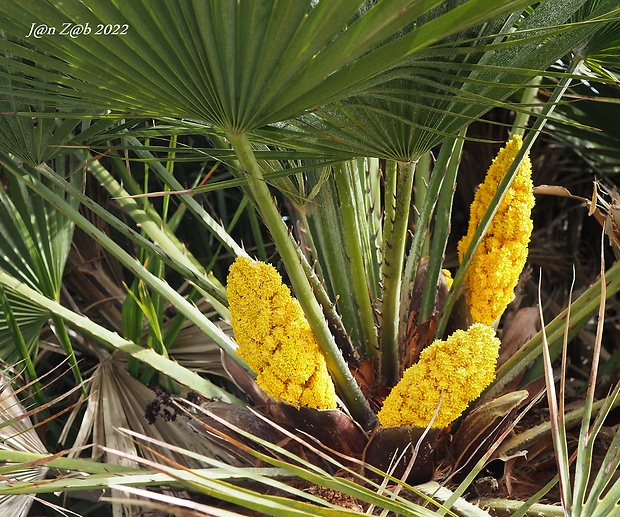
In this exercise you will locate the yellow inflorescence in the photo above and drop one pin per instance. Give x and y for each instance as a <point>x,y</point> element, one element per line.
<point>499,260</point>
<point>447,276</point>
<point>274,337</point>
<point>453,372</point>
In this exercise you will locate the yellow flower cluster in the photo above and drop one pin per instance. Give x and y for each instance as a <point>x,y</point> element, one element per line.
<point>499,260</point>
<point>274,337</point>
<point>453,372</point>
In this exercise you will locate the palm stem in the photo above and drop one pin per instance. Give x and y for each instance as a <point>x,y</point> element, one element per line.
<point>522,117</point>
<point>422,176</point>
<point>399,191</point>
<point>355,254</point>
<point>422,227</point>
<point>329,308</point>
<point>440,235</point>
<point>374,201</point>
<point>365,198</point>
<point>65,341</point>
<point>344,381</point>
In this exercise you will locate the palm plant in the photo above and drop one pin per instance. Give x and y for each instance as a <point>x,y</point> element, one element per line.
<point>332,107</point>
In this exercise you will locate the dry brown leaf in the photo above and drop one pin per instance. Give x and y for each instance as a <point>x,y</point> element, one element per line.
<point>524,325</point>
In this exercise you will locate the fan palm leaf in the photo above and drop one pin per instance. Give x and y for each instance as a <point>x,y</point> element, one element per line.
<point>443,88</point>
<point>236,65</point>
<point>35,239</point>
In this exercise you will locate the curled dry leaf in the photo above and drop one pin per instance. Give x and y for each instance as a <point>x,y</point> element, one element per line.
<point>604,206</point>
<point>481,427</point>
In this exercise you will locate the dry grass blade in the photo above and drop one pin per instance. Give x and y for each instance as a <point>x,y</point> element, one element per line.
<point>594,504</point>
<point>169,503</point>
<point>558,428</point>
<point>604,206</point>
<point>264,502</point>
<point>583,497</point>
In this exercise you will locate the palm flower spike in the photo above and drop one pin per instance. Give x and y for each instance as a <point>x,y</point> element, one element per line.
<point>276,341</point>
<point>449,375</point>
<point>501,255</point>
<point>274,337</point>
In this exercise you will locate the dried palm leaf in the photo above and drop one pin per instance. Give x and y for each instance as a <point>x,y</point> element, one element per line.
<point>17,434</point>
